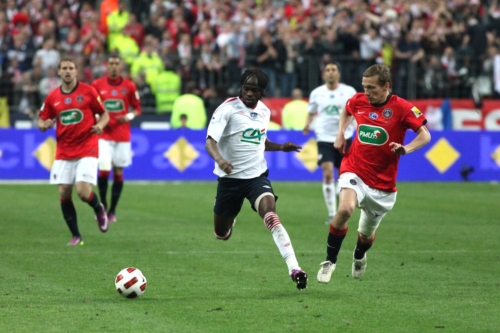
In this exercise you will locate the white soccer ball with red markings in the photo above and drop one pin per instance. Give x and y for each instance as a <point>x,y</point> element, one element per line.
<point>130,282</point>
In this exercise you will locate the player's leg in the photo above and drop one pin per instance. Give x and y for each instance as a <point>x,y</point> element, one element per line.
<point>69,213</point>
<point>348,200</point>
<point>228,202</point>
<point>116,191</point>
<point>325,161</point>
<point>329,193</point>
<point>121,158</point>
<point>86,170</point>
<point>376,205</point>
<point>104,169</point>
<point>62,174</point>
<point>264,202</point>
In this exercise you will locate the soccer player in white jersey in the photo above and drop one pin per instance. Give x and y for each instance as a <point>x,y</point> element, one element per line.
<point>236,140</point>
<point>326,102</point>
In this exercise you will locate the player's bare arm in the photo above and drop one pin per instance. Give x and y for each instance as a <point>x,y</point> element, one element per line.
<point>103,121</point>
<point>307,127</point>
<point>423,138</point>
<point>128,117</point>
<point>340,142</point>
<point>213,151</point>
<point>44,125</point>
<point>286,147</point>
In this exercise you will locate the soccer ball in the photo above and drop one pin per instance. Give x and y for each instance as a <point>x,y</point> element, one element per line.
<point>130,282</point>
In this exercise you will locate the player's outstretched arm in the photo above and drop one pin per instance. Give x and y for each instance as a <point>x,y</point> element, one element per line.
<point>213,151</point>
<point>423,138</point>
<point>286,147</point>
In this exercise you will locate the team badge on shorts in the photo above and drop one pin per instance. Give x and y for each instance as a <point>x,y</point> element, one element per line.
<point>387,113</point>
<point>353,182</point>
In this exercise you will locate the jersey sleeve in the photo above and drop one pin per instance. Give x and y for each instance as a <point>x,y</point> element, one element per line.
<point>95,102</point>
<point>312,106</point>
<point>46,110</point>
<point>349,105</point>
<point>219,122</point>
<point>134,98</point>
<point>413,117</point>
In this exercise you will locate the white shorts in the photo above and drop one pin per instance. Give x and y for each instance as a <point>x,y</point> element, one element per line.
<point>73,171</point>
<point>374,203</point>
<point>113,153</point>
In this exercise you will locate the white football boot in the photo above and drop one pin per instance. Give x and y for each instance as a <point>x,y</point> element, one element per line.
<point>325,272</point>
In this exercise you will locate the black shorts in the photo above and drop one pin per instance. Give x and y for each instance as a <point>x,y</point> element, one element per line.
<point>327,153</point>
<point>232,192</point>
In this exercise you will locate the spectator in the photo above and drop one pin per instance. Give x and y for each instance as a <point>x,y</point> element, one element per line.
<point>47,56</point>
<point>166,88</point>
<point>266,58</point>
<point>50,82</point>
<point>295,112</point>
<point>190,105</point>
<point>148,62</point>
<point>148,103</point>
<point>135,29</point>
<point>116,22</point>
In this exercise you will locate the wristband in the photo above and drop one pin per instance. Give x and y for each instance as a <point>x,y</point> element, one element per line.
<point>130,116</point>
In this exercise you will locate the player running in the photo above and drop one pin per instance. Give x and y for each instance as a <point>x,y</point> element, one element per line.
<point>118,95</point>
<point>73,107</point>
<point>369,168</point>
<point>236,140</point>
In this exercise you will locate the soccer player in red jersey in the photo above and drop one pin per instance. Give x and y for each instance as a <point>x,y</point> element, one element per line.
<point>72,108</point>
<point>369,168</point>
<point>118,95</point>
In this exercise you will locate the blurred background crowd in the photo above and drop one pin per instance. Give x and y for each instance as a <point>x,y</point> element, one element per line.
<point>434,48</point>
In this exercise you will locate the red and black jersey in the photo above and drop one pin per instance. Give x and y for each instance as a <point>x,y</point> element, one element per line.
<point>118,96</point>
<point>370,156</point>
<point>75,112</point>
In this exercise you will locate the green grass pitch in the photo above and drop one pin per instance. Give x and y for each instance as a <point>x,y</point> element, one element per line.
<point>435,266</point>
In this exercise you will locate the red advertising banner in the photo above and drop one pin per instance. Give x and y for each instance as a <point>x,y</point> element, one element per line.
<point>464,115</point>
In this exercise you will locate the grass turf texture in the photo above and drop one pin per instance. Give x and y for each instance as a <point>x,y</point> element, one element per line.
<point>433,268</point>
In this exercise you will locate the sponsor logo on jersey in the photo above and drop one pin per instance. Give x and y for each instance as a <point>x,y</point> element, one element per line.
<point>372,135</point>
<point>67,100</point>
<point>373,115</point>
<point>124,91</point>
<point>71,117</point>
<point>387,113</point>
<point>416,112</point>
<point>114,92</point>
<point>253,135</point>
<point>254,115</point>
<point>333,110</point>
<point>114,105</point>
<point>79,98</point>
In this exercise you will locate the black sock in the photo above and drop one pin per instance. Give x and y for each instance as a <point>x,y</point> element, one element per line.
<point>361,248</point>
<point>335,238</point>
<point>102,183</point>
<point>69,214</point>
<point>94,203</point>
<point>116,191</point>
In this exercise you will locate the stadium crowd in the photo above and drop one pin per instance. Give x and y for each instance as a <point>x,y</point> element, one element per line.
<point>434,48</point>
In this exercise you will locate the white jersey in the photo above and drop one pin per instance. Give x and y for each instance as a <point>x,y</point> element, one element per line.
<point>327,105</point>
<point>241,133</point>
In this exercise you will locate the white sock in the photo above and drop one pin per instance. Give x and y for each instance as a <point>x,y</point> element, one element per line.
<point>282,240</point>
<point>330,198</point>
